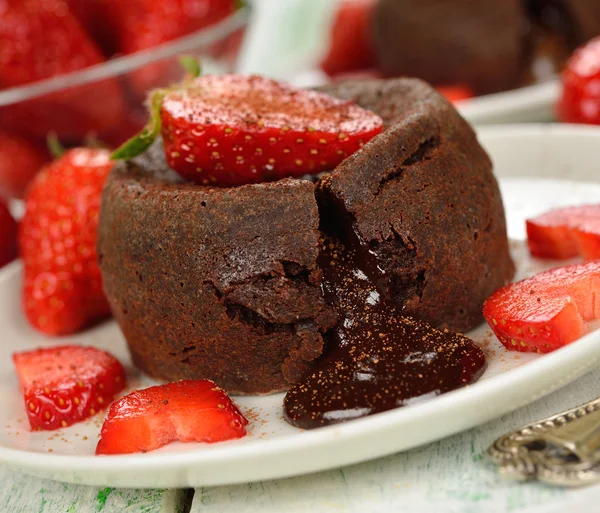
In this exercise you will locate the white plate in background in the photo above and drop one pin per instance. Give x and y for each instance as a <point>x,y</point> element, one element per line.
<point>531,104</point>
<point>527,104</point>
<point>540,167</point>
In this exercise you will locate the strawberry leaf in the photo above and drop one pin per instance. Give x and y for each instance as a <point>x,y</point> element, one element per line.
<point>55,147</point>
<point>142,141</point>
<point>191,65</point>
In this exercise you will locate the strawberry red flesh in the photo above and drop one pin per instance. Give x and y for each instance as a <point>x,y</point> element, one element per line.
<point>67,384</point>
<point>566,233</point>
<point>232,130</point>
<point>62,290</point>
<point>185,411</point>
<point>580,98</point>
<point>547,311</point>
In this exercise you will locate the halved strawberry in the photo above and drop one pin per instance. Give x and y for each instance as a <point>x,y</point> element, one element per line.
<point>566,233</point>
<point>66,384</point>
<point>547,311</point>
<point>185,411</point>
<point>234,129</point>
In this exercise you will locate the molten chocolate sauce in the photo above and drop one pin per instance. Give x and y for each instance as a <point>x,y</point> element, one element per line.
<point>377,359</point>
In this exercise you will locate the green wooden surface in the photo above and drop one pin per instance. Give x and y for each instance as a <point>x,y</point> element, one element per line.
<point>20,493</point>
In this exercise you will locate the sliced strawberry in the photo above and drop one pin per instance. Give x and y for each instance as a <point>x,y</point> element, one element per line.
<point>350,47</point>
<point>20,161</point>
<point>62,290</point>
<point>566,233</point>
<point>234,129</point>
<point>547,311</point>
<point>8,235</point>
<point>580,99</point>
<point>67,384</point>
<point>185,411</point>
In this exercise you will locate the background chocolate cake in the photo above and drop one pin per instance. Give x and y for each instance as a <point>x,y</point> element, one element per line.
<point>487,45</point>
<point>476,42</point>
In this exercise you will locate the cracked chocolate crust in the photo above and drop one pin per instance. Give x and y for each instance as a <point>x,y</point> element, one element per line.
<point>224,283</point>
<point>213,283</point>
<point>422,206</point>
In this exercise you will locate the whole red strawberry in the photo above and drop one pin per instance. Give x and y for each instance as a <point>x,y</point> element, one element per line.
<point>185,411</point>
<point>20,161</point>
<point>62,290</point>
<point>89,14</point>
<point>580,99</point>
<point>41,39</point>
<point>140,24</point>
<point>8,235</point>
<point>236,129</point>
<point>350,47</point>
<point>66,384</point>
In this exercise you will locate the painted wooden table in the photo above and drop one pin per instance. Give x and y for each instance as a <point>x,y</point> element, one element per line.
<point>450,476</point>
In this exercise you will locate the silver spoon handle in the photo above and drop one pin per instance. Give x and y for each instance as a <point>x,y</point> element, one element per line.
<point>562,450</point>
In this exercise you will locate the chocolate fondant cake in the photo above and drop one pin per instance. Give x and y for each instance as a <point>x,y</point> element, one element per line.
<point>488,45</point>
<point>477,42</point>
<point>213,283</point>
<point>226,283</point>
<point>580,19</point>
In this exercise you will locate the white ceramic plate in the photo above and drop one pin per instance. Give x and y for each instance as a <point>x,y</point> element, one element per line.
<point>540,166</point>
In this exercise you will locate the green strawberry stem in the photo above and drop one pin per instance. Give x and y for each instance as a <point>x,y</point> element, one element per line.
<point>55,147</point>
<point>142,141</point>
<point>191,65</point>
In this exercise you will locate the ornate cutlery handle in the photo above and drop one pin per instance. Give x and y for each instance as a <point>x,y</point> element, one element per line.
<point>563,449</point>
